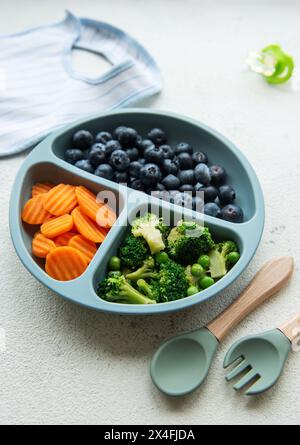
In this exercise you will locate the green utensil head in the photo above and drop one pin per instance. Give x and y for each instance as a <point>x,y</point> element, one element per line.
<point>181,364</point>
<point>257,361</point>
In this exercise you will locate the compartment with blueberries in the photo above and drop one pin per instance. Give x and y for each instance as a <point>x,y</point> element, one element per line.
<point>151,165</point>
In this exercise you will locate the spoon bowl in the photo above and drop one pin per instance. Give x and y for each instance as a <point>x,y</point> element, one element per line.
<point>181,364</point>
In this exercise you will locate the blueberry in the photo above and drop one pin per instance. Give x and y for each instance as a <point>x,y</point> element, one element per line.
<point>226,194</point>
<point>232,213</point>
<point>197,204</point>
<point>212,209</point>
<point>118,130</point>
<point>160,187</point>
<point>137,185</point>
<point>199,158</point>
<point>218,174</point>
<point>86,154</point>
<point>202,174</point>
<point>133,153</point>
<point>183,147</point>
<point>119,160</point>
<point>144,145</point>
<point>104,171</point>
<point>73,155</point>
<point>134,169</point>
<point>210,193</point>
<point>185,161</point>
<point>121,177</point>
<point>142,161</point>
<point>128,137</point>
<point>154,155</point>
<point>186,177</point>
<point>171,182</point>
<point>168,152</point>
<point>170,167</point>
<point>186,188</point>
<point>85,165</point>
<point>157,136</point>
<point>97,154</point>
<point>82,139</point>
<point>150,174</point>
<point>112,146</point>
<point>103,137</point>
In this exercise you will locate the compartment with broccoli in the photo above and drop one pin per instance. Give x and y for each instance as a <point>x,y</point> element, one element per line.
<point>158,264</point>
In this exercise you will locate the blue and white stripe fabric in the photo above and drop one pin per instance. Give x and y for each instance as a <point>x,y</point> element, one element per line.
<point>40,91</point>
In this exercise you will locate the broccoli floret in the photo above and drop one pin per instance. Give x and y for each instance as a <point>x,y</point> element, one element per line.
<point>164,230</point>
<point>118,290</point>
<point>219,264</point>
<point>151,289</point>
<point>149,227</point>
<point>173,283</point>
<point>147,270</point>
<point>133,252</point>
<point>188,241</point>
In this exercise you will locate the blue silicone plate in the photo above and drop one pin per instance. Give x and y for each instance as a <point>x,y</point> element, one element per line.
<point>46,163</point>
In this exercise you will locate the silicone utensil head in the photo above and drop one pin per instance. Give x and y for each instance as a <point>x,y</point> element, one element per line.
<point>258,361</point>
<point>181,364</point>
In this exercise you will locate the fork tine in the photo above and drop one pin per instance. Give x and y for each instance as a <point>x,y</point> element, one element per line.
<point>245,380</point>
<point>242,366</point>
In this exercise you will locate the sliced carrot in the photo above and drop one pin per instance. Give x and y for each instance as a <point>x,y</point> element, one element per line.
<point>63,240</point>
<point>106,217</point>
<point>86,247</point>
<point>41,187</point>
<point>41,245</point>
<point>57,226</point>
<point>86,227</point>
<point>33,211</point>
<point>87,202</point>
<point>65,263</point>
<point>61,199</point>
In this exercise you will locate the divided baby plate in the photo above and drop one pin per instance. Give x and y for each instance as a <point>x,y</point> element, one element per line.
<point>46,163</point>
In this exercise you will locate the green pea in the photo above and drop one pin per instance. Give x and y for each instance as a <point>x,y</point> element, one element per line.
<point>233,257</point>
<point>197,270</point>
<point>206,282</point>
<point>204,261</point>
<point>114,263</point>
<point>161,257</point>
<point>192,290</point>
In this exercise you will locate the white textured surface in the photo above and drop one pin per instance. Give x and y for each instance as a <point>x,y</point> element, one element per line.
<point>65,364</point>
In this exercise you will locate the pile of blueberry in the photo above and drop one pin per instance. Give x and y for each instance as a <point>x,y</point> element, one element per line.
<point>151,165</point>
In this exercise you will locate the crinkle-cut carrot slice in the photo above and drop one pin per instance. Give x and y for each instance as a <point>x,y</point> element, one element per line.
<point>57,226</point>
<point>86,227</point>
<point>33,211</point>
<point>86,247</point>
<point>41,187</point>
<point>41,245</point>
<point>88,203</point>
<point>63,240</point>
<point>106,217</point>
<point>61,199</point>
<point>65,263</point>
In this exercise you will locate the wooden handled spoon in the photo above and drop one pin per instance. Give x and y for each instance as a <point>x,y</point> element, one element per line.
<point>182,363</point>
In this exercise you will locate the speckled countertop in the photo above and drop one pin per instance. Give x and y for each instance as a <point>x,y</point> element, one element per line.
<point>66,364</point>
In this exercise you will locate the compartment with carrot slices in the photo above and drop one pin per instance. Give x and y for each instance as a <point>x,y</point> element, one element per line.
<point>72,226</point>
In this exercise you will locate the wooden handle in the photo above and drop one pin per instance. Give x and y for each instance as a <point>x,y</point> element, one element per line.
<point>291,328</point>
<point>273,275</point>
